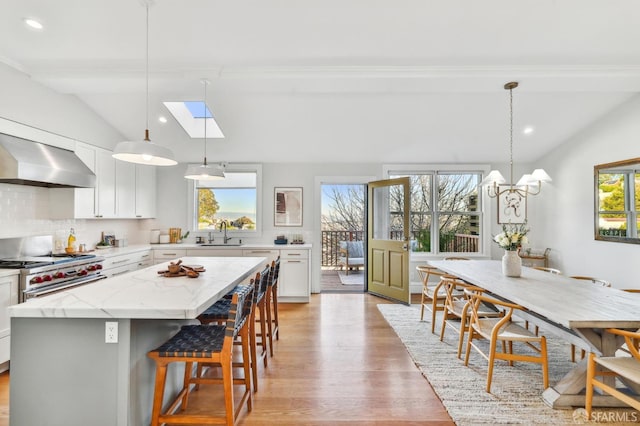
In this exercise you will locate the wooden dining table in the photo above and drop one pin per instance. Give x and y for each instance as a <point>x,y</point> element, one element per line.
<point>577,311</point>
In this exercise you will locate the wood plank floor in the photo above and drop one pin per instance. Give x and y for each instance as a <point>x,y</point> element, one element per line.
<point>337,362</point>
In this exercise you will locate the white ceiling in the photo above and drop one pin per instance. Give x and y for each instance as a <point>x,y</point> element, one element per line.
<point>336,80</point>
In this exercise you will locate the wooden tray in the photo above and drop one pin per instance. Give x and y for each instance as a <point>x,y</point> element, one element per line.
<point>170,275</point>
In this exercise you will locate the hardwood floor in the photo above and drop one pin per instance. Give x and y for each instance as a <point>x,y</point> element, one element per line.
<point>337,362</point>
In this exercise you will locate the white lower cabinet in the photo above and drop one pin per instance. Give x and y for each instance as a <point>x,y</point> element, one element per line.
<point>295,276</point>
<point>123,263</point>
<point>165,255</point>
<point>8,297</point>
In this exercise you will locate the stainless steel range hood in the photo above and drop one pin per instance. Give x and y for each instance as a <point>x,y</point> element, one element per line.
<point>26,162</point>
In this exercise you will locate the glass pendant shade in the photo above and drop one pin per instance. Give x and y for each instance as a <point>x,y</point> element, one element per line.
<point>204,172</point>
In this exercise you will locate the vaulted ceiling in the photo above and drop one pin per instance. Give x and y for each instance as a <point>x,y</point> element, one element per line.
<point>335,80</point>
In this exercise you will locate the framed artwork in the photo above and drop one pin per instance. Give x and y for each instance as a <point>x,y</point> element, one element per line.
<point>512,206</point>
<point>287,207</point>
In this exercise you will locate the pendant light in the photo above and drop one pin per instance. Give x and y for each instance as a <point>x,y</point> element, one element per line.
<point>204,171</point>
<point>529,184</point>
<point>145,151</point>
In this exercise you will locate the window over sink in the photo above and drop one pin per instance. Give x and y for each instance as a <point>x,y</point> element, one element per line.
<point>234,200</point>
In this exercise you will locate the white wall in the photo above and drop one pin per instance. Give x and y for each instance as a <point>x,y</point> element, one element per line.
<point>567,219</point>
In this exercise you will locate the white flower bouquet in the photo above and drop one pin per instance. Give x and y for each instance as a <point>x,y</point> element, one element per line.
<point>512,236</point>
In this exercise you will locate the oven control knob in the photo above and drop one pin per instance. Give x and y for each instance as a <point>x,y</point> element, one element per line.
<point>37,280</point>
<point>83,272</point>
<point>47,277</point>
<point>91,267</point>
<point>98,266</point>
<point>60,274</point>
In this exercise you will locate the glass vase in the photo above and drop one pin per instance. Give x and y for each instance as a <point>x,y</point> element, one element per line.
<point>511,264</point>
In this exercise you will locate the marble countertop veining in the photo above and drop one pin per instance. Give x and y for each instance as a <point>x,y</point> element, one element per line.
<point>144,294</point>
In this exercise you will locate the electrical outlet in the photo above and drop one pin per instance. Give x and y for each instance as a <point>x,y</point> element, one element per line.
<point>111,332</point>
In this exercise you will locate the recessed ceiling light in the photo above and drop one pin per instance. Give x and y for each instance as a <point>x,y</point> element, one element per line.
<point>33,23</point>
<point>162,119</point>
<point>528,130</point>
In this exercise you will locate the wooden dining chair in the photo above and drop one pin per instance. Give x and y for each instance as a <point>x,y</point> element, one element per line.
<point>625,368</point>
<point>597,281</point>
<point>456,308</point>
<point>432,297</point>
<point>504,332</point>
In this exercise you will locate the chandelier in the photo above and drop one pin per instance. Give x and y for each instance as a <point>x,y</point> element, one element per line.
<point>529,184</point>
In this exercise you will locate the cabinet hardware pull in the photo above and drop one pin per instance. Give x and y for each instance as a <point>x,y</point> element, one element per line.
<point>119,261</point>
<point>260,251</point>
<point>294,261</point>
<point>119,273</point>
<point>293,254</point>
<point>145,255</point>
<point>167,254</point>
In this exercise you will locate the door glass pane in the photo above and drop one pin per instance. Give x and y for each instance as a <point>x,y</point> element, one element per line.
<point>388,213</point>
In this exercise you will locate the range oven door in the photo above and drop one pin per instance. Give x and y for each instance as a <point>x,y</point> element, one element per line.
<point>55,288</point>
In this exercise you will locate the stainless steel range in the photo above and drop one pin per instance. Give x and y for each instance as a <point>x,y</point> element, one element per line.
<point>42,272</point>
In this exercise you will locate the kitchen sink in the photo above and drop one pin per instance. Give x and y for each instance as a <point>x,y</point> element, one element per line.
<point>220,245</point>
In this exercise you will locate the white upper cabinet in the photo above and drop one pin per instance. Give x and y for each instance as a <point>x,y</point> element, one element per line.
<point>123,190</point>
<point>145,197</point>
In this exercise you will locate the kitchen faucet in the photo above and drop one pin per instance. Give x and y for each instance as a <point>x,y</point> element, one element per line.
<point>211,239</point>
<point>223,224</point>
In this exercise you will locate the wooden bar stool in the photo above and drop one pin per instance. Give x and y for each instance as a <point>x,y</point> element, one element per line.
<point>219,312</point>
<point>272,303</point>
<point>211,344</point>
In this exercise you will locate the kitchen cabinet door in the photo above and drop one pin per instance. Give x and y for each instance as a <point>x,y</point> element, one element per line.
<point>294,279</point>
<point>84,202</point>
<point>8,297</point>
<point>106,187</point>
<point>145,180</point>
<point>125,189</point>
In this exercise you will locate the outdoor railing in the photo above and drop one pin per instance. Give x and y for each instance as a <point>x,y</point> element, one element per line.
<point>456,243</point>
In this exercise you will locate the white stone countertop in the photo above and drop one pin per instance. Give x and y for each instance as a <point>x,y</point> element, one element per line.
<point>144,294</point>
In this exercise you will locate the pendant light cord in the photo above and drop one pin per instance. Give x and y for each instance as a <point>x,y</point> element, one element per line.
<point>147,76</point>
<point>205,82</point>
<point>511,135</point>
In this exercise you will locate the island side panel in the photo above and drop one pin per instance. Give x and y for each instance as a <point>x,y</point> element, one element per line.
<point>63,373</point>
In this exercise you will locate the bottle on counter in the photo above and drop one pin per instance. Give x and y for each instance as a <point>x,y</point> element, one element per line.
<point>71,241</point>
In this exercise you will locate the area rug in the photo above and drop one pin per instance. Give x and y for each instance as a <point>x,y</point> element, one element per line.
<point>354,277</point>
<point>515,396</point>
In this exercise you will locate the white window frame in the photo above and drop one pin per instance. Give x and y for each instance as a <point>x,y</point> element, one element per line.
<point>434,169</point>
<point>239,233</point>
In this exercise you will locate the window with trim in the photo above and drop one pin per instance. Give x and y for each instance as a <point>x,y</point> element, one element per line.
<point>446,211</point>
<point>234,200</point>
<point>618,202</point>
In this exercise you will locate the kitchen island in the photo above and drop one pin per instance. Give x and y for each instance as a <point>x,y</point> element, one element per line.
<point>64,373</point>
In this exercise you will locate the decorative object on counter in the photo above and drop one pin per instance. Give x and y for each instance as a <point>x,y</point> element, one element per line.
<point>154,236</point>
<point>71,241</point>
<point>511,239</point>
<point>164,239</point>
<point>280,239</point>
<point>174,235</point>
<point>120,243</point>
<point>288,207</point>
<point>199,240</point>
<point>145,151</point>
<point>297,239</point>
<point>109,238</point>
<point>104,243</point>
<point>183,237</point>
<point>176,269</point>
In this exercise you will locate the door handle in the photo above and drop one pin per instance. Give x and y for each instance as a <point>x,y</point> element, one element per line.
<point>405,247</point>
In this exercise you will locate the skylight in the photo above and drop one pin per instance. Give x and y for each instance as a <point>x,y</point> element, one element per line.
<point>190,115</point>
